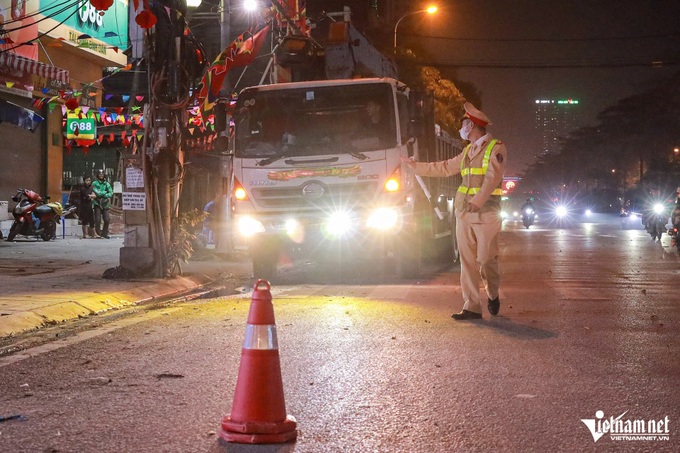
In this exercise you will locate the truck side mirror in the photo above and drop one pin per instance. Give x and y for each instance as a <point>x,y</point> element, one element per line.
<point>220,117</point>
<point>416,129</point>
<point>416,114</point>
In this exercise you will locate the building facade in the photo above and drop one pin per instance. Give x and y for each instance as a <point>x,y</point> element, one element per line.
<point>50,52</point>
<point>555,119</point>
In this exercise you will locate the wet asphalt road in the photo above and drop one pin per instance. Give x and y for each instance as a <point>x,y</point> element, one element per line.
<point>589,322</point>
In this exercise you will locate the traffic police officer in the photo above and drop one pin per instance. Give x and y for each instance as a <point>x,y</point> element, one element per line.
<point>477,208</point>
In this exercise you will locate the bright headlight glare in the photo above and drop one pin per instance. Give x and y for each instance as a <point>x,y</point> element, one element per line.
<point>561,211</point>
<point>292,226</point>
<point>339,223</point>
<point>383,219</point>
<point>249,226</point>
<point>658,208</point>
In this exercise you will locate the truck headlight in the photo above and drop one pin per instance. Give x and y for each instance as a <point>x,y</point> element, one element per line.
<point>249,226</point>
<point>383,219</point>
<point>339,223</point>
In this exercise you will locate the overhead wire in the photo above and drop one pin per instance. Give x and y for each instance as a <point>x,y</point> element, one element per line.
<point>41,34</point>
<point>545,63</point>
<point>42,11</point>
<point>675,35</point>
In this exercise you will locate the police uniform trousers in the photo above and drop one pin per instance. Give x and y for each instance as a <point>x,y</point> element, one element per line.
<point>477,235</point>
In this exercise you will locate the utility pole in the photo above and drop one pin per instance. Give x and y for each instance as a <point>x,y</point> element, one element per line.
<point>148,247</point>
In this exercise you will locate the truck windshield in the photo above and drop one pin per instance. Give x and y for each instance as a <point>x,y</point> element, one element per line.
<point>314,121</point>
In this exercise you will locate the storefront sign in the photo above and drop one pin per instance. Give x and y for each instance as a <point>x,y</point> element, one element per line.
<point>111,27</point>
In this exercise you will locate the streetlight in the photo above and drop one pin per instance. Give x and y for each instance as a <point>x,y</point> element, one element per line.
<point>429,10</point>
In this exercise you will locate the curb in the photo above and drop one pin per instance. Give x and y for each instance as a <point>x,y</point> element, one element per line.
<point>62,312</point>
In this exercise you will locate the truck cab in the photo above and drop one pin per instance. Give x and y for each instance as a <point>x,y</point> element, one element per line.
<point>317,171</point>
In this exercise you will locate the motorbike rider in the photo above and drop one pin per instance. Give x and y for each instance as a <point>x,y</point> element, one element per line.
<point>101,204</point>
<point>85,211</point>
<point>529,204</point>
<point>655,215</point>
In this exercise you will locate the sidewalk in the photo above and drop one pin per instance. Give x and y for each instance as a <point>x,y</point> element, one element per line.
<point>46,283</point>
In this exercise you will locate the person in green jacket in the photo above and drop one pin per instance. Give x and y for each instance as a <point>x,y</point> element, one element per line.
<point>101,204</point>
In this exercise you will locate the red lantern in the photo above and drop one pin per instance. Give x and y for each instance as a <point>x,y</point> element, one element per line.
<point>146,19</point>
<point>101,5</point>
<point>72,104</point>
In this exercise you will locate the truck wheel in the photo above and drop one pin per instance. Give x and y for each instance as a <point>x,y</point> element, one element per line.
<point>265,258</point>
<point>264,268</point>
<point>455,251</point>
<point>408,255</point>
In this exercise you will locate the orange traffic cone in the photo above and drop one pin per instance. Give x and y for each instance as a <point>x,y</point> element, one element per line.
<point>258,413</point>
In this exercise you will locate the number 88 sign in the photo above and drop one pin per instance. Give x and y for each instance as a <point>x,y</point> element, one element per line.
<point>88,14</point>
<point>81,128</point>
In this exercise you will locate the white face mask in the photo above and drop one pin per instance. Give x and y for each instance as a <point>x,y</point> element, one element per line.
<point>465,130</point>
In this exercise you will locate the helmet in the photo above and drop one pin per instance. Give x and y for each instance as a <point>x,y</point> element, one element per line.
<point>99,173</point>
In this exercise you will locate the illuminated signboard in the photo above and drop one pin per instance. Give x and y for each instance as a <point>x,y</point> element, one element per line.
<point>508,185</point>
<point>559,101</point>
<point>111,27</point>
<point>80,128</point>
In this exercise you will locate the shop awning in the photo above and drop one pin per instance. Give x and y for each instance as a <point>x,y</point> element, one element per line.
<point>22,64</point>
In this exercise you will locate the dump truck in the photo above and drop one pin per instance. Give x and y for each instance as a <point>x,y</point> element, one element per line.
<point>317,170</point>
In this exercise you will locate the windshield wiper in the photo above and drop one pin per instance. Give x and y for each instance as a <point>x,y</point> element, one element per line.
<point>360,156</point>
<point>272,159</point>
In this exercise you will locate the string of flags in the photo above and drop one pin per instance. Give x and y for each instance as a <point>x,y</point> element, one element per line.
<point>198,135</point>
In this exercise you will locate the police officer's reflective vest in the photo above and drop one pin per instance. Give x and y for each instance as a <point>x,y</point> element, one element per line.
<point>473,177</point>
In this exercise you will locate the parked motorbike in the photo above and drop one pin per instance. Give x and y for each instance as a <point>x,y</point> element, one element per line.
<point>528,217</point>
<point>655,221</point>
<point>34,217</point>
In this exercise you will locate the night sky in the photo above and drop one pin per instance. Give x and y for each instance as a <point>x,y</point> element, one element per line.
<point>517,51</point>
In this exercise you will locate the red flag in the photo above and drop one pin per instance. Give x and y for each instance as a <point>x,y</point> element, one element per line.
<point>241,52</point>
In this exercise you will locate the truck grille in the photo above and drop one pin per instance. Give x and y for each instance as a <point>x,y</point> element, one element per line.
<point>333,196</point>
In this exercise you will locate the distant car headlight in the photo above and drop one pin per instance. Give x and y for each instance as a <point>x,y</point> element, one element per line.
<point>561,211</point>
<point>588,213</point>
<point>383,219</point>
<point>633,216</point>
<point>658,208</point>
<point>249,226</point>
<point>504,215</point>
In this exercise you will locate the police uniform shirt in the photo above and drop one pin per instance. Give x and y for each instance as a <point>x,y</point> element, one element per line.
<point>475,155</point>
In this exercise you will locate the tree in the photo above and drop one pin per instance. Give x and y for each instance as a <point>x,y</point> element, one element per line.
<point>632,145</point>
<point>447,97</point>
